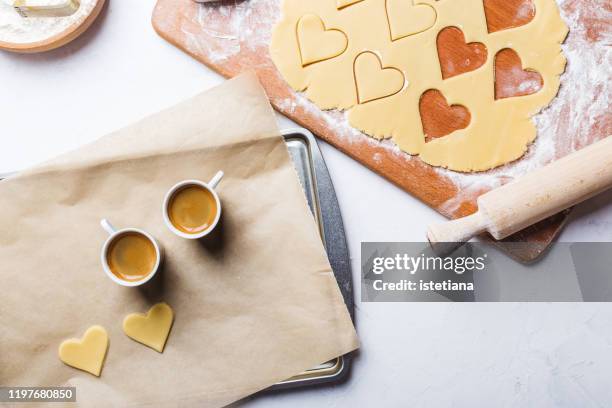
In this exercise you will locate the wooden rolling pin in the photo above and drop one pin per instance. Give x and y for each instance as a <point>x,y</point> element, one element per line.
<point>533,197</point>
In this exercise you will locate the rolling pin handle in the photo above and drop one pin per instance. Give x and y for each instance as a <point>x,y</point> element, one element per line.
<point>448,236</point>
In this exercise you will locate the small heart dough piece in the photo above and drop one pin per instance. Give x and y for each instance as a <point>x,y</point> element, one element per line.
<point>374,81</point>
<point>152,328</point>
<point>87,353</point>
<point>317,43</point>
<point>406,19</point>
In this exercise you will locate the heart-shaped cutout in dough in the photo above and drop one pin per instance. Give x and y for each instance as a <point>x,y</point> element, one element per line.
<point>316,43</point>
<point>406,18</point>
<point>510,77</point>
<point>438,118</point>
<point>505,14</point>
<point>87,353</point>
<point>456,57</point>
<point>373,81</point>
<point>151,329</point>
<point>340,4</point>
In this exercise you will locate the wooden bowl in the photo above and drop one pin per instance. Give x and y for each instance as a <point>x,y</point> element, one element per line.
<point>59,39</point>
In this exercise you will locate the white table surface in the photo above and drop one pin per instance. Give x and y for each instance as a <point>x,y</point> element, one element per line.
<point>460,355</point>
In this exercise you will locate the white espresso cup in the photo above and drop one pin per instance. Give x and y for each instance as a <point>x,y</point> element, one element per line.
<point>210,187</point>
<point>114,236</point>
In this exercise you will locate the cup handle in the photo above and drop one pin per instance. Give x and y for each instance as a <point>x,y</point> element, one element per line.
<point>216,179</point>
<point>108,227</point>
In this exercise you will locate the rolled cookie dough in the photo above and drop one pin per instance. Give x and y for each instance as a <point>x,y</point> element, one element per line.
<point>499,131</point>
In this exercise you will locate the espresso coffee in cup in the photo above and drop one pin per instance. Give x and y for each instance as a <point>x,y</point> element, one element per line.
<point>192,208</point>
<point>130,257</point>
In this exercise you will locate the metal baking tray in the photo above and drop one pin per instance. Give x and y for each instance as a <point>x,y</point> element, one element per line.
<point>321,197</point>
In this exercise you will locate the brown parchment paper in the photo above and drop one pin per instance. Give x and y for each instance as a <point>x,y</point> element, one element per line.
<point>254,305</point>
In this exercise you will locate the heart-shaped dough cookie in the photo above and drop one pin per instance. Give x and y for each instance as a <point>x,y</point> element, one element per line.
<point>150,329</point>
<point>87,353</point>
<point>340,4</point>
<point>456,57</point>
<point>511,79</point>
<point>406,18</point>
<point>373,81</point>
<point>316,43</point>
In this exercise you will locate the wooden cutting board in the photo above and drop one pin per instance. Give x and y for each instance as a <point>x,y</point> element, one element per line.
<point>233,36</point>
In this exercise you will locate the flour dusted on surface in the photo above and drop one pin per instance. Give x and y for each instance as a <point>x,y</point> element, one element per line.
<point>577,117</point>
<point>20,30</point>
<point>235,24</point>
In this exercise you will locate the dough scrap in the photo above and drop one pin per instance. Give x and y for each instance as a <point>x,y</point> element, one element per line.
<point>499,131</point>
<point>151,329</point>
<point>87,353</point>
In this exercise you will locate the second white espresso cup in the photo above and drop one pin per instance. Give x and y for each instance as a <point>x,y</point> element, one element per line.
<point>210,187</point>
